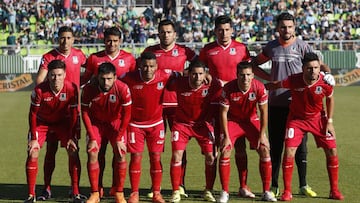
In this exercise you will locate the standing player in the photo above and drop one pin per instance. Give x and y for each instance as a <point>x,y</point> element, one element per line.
<point>286,54</point>
<point>221,57</point>
<point>52,117</point>
<point>191,120</point>
<point>238,118</point>
<point>170,55</point>
<point>307,114</point>
<point>123,62</point>
<point>74,60</point>
<point>147,88</point>
<point>106,112</point>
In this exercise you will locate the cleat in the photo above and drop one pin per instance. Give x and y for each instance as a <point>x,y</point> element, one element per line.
<point>224,197</point>
<point>286,196</point>
<point>94,198</point>
<point>119,197</point>
<point>79,198</point>
<point>45,195</point>
<point>134,197</point>
<point>275,190</point>
<point>150,194</point>
<point>112,191</point>
<point>336,195</point>
<point>158,198</point>
<point>30,199</point>
<point>245,192</point>
<point>268,196</point>
<point>183,191</point>
<point>101,192</point>
<point>307,191</point>
<point>208,196</point>
<point>176,196</point>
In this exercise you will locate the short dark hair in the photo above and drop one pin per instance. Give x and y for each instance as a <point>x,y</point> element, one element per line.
<point>284,16</point>
<point>65,29</point>
<point>56,64</point>
<point>112,31</point>
<point>147,55</point>
<point>106,68</point>
<point>166,22</point>
<point>223,19</point>
<point>196,64</point>
<point>244,64</point>
<point>310,56</point>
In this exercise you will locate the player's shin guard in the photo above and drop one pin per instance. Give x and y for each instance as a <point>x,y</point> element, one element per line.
<point>332,163</point>
<point>175,174</point>
<point>74,171</point>
<point>210,174</point>
<point>241,163</point>
<point>119,173</point>
<point>224,171</point>
<point>265,172</point>
<point>31,172</point>
<point>288,166</point>
<point>93,172</point>
<point>156,171</point>
<point>135,172</point>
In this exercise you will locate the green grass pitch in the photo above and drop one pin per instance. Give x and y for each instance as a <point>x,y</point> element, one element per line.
<point>14,127</point>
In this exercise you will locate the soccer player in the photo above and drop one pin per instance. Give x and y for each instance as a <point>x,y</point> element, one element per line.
<point>192,120</point>
<point>52,118</point>
<point>74,59</point>
<point>307,114</point>
<point>106,112</point>
<point>123,62</point>
<point>147,87</point>
<point>170,55</point>
<point>221,57</point>
<point>238,118</point>
<point>286,54</point>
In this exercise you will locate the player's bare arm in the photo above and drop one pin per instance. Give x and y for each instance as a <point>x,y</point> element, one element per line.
<point>259,72</point>
<point>263,140</point>
<point>225,143</point>
<point>330,103</point>
<point>42,73</point>
<point>273,85</point>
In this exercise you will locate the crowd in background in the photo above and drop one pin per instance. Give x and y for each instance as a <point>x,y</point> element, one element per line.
<point>35,20</point>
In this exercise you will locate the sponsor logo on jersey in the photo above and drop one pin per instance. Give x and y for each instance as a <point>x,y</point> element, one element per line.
<point>204,92</point>
<point>158,55</point>
<point>299,89</point>
<point>186,94</point>
<point>62,97</point>
<point>48,99</point>
<point>137,87</point>
<point>121,63</point>
<point>318,90</point>
<point>175,52</point>
<point>75,59</point>
<point>252,96</point>
<point>236,98</point>
<point>160,85</point>
<point>112,98</point>
<point>213,53</point>
<point>232,51</point>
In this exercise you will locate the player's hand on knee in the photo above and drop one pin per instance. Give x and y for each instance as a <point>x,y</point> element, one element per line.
<point>33,145</point>
<point>121,147</point>
<point>225,144</point>
<point>328,78</point>
<point>92,146</point>
<point>263,140</point>
<point>71,146</point>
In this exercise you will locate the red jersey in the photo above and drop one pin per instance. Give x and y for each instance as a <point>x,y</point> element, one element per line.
<point>243,105</point>
<point>51,108</point>
<point>194,104</point>
<point>124,62</point>
<point>173,59</point>
<point>307,100</point>
<point>73,63</point>
<point>222,61</point>
<point>147,97</point>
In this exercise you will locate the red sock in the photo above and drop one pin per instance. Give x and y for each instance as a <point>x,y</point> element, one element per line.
<point>175,172</point>
<point>74,170</point>
<point>210,174</point>
<point>224,171</point>
<point>31,172</point>
<point>241,163</point>
<point>155,171</point>
<point>135,172</point>
<point>288,166</point>
<point>332,163</point>
<point>120,175</point>
<point>49,165</point>
<point>265,172</point>
<point>93,172</point>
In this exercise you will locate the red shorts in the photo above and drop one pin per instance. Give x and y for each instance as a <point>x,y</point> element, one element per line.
<point>107,131</point>
<point>53,132</point>
<point>249,129</point>
<point>182,133</point>
<point>295,130</point>
<point>154,136</point>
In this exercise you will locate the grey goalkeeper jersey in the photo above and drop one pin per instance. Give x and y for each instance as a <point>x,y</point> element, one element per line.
<point>286,61</point>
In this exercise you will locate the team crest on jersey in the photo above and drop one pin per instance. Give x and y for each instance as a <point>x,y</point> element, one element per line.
<point>75,60</point>
<point>318,90</point>
<point>232,51</point>
<point>121,63</point>
<point>112,98</point>
<point>204,92</point>
<point>62,97</point>
<point>160,85</point>
<point>175,52</point>
<point>252,96</point>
